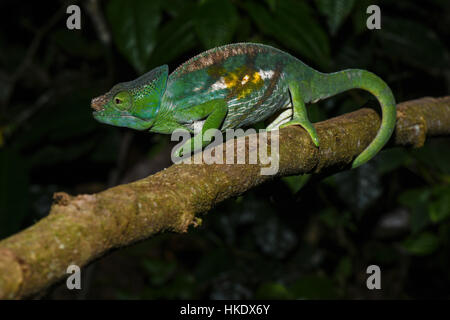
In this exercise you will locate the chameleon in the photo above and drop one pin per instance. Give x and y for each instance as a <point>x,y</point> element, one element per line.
<point>233,86</point>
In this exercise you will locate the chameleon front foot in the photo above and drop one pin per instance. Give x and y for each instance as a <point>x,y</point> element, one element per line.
<point>307,125</point>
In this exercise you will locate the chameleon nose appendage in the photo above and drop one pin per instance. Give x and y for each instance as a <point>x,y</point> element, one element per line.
<point>98,103</point>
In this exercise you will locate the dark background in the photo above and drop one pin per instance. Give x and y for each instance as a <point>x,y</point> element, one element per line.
<point>297,237</point>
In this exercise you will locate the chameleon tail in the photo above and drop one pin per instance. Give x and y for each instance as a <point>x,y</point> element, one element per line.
<point>326,85</point>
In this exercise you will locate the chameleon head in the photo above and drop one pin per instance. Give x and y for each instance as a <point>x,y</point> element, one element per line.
<point>133,104</point>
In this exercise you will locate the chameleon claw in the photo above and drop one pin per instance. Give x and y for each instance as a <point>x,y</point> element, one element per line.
<point>305,125</point>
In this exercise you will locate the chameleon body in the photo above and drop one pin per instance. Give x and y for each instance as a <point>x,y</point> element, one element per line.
<point>235,86</point>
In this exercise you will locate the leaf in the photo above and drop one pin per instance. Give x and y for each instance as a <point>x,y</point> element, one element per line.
<point>314,287</point>
<point>439,208</point>
<point>390,159</point>
<point>134,25</point>
<point>272,291</point>
<point>359,188</point>
<point>174,8</point>
<point>272,4</point>
<point>434,154</point>
<point>416,200</point>
<point>431,204</point>
<point>335,11</point>
<point>215,22</point>
<point>359,16</point>
<point>293,25</point>
<point>295,183</point>
<point>344,269</point>
<point>159,271</point>
<point>216,262</point>
<point>182,287</point>
<point>14,195</point>
<point>177,37</point>
<point>334,220</point>
<point>421,245</point>
<point>383,254</point>
<point>412,42</point>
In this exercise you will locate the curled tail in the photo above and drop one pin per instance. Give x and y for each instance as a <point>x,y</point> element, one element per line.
<point>326,85</point>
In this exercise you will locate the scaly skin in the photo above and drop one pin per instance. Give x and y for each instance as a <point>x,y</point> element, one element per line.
<point>234,86</point>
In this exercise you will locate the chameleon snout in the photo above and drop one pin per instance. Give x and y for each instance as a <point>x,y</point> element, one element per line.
<point>98,103</point>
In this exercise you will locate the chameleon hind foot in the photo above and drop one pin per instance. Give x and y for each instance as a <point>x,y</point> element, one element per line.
<point>307,125</point>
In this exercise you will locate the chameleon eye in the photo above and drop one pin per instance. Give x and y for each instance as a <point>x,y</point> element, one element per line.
<point>123,100</point>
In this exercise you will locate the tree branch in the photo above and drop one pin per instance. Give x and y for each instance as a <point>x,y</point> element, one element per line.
<point>81,228</point>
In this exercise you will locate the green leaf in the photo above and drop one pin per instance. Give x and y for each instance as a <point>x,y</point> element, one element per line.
<point>215,22</point>
<point>359,16</point>
<point>390,159</point>
<point>312,39</point>
<point>439,208</point>
<point>159,271</point>
<point>382,254</point>
<point>175,38</point>
<point>14,195</point>
<point>335,11</point>
<point>134,25</point>
<point>334,220</point>
<point>182,287</point>
<point>427,205</point>
<point>214,263</point>
<point>272,4</point>
<point>272,291</point>
<point>416,200</point>
<point>412,42</point>
<point>344,269</point>
<point>174,8</point>
<point>434,154</point>
<point>295,183</point>
<point>314,287</point>
<point>422,244</point>
<point>294,26</point>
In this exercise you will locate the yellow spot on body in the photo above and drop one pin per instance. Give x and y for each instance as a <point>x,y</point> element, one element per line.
<point>256,78</point>
<point>240,82</point>
<point>243,81</point>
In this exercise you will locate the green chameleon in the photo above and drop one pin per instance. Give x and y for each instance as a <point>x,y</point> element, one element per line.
<point>235,86</point>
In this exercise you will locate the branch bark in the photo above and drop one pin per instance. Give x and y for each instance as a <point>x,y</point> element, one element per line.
<point>84,227</point>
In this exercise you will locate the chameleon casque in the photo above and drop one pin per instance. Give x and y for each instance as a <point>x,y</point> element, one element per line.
<point>235,86</point>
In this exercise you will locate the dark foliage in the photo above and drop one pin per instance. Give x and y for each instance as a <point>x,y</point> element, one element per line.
<point>298,237</point>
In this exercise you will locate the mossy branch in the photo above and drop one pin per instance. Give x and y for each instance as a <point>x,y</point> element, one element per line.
<point>81,228</point>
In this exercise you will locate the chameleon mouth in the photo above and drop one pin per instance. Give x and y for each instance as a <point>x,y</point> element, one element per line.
<point>98,103</point>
